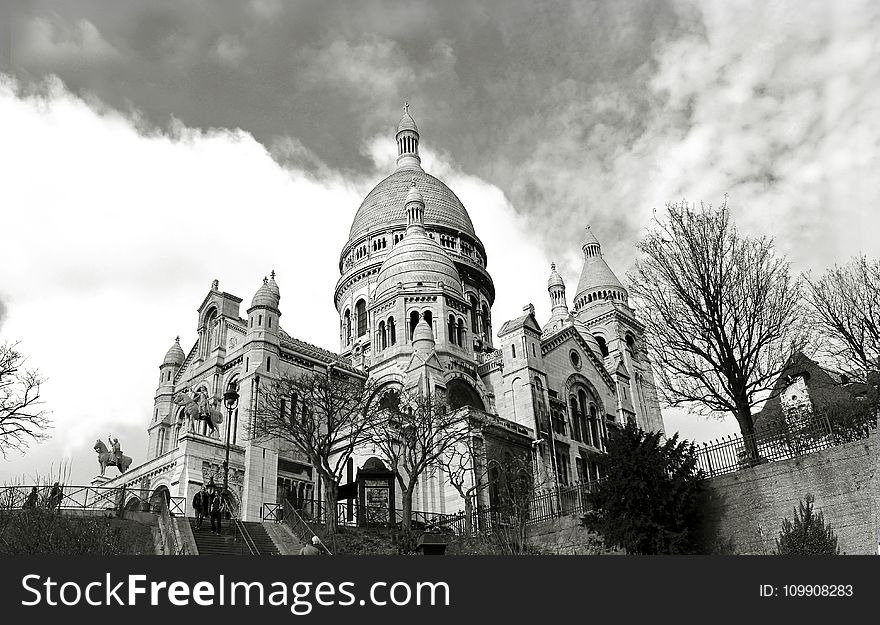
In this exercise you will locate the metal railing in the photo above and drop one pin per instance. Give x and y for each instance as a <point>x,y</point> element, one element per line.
<point>246,538</point>
<point>543,505</point>
<point>89,498</point>
<point>782,441</point>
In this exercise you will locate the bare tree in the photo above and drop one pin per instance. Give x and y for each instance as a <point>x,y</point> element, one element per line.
<point>323,415</point>
<point>22,419</point>
<point>721,310</point>
<point>844,305</point>
<point>466,469</point>
<point>414,433</point>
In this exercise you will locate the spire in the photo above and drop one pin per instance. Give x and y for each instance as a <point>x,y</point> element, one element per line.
<point>415,210</point>
<point>597,283</point>
<point>556,288</point>
<point>407,141</point>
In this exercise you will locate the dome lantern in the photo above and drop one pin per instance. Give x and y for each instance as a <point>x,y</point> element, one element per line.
<point>407,141</point>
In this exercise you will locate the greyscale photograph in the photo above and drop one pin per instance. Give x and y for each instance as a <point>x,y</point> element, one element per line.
<point>439,278</point>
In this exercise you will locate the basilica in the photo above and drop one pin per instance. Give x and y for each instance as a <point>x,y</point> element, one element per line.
<point>414,300</point>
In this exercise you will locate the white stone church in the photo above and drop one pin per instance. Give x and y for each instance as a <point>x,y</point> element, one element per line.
<point>414,300</point>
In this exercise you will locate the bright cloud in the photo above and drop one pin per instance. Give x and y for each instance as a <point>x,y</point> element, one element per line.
<point>114,235</point>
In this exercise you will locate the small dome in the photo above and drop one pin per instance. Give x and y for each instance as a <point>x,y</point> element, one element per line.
<point>407,123</point>
<point>417,259</point>
<point>555,278</point>
<point>175,355</point>
<point>414,195</point>
<point>268,295</point>
<point>590,238</point>
<point>423,336</point>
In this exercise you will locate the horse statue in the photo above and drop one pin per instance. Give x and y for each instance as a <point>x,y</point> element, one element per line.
<point>200,408</point>
<point>107,458</point>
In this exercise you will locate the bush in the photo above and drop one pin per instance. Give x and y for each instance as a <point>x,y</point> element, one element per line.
<point>43,532</point>
<point>808,534</point>
<point>649,501</point>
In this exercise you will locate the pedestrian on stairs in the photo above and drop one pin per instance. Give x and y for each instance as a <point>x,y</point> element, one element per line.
<point>200,505</point>
<point>216,513</point>
<point>312,548</point>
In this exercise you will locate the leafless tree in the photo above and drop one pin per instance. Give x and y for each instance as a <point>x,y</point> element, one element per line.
<point>466,469</point>
<point>22,419</point>
<point>721,311</point>
<point>325,415</point>
<point>844,305</point>
<point>416,430</point>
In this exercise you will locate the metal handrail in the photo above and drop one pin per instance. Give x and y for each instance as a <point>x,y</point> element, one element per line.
<point>300,528</point>
<point>246,537</point>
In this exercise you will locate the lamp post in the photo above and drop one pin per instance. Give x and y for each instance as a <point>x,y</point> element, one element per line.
<point>230,399</point>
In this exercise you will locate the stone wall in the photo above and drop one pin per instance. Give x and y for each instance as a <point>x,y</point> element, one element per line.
<point>565,536</point>
<point>745,509</point>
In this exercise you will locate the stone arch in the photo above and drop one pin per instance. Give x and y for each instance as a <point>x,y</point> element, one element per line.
<point>460,392</point>
<point>576,379</point>
<point>159,497</point>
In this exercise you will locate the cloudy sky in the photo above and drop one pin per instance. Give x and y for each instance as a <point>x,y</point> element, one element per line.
<point>148,148</point>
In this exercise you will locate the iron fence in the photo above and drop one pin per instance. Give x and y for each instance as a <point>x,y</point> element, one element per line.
<point>771,444</point>
<point>88,498</point>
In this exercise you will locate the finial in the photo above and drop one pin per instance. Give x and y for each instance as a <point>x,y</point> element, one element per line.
<point>215,284</point>
<point>177,339</point>
<point>406,107</point>
<point>552,266</point>
<point>265,280</point>
<point>272,273</point>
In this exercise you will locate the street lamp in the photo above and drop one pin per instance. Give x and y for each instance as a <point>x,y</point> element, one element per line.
<point>230,399</point>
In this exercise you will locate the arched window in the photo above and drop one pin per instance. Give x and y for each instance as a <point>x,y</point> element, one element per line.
<point>475,312</point>
<point>413,322</point>
<point>603,346</point>
<point>428,317</point>
<point>630,344</point>
<point>487,323</point>
<point>575,418</point>
<point>450,330</point>
<point>392,338</point>
<point>360,312</point>
<point>383,338</point>
<point>209,334</point>
<point>595,427</point>
<point>347,327</point>
<point>582,416</point>
<point>460,332</point>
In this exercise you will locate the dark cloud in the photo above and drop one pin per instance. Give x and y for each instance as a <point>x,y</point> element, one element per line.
<point>575,110</point>
<point>493,84</point>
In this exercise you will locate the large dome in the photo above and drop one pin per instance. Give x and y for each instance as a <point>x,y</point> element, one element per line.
<point>417,260</point>
<point>384,205</point>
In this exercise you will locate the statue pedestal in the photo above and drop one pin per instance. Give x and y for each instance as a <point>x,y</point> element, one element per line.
<point>100,480</point>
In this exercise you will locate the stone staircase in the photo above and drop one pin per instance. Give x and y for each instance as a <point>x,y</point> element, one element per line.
<point>229,542</point>
<point>211,544</point>
<point>264,543</point>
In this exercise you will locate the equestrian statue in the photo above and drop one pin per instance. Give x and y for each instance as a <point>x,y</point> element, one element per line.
<point>112,456</point>
<point>199,407</point>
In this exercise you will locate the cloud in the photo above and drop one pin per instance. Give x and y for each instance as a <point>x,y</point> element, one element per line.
<point>119,233</point>
<point>54,41</point>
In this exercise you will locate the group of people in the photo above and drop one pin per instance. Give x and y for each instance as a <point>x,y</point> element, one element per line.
<point>53,501</point>
<point>212,502</point>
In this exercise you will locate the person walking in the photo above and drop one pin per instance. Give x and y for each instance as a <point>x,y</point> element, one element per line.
<point>31,502</point>
<point>312,548</point>
<point>200,505</point>
<point>55,497</point>
<point>216,513</point>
